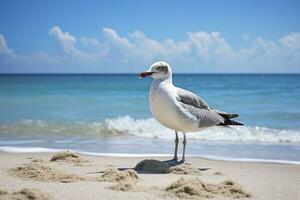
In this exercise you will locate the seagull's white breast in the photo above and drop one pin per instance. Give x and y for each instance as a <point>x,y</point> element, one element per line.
<point>163,105</point>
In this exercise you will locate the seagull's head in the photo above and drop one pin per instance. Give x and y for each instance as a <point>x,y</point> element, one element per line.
<point>158,71</point>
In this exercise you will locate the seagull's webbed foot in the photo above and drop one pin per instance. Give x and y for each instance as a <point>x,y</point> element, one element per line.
<point>183,162</point>
<point>172,161</point>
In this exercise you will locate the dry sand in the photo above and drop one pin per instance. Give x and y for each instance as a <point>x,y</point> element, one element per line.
<point>153,180</point>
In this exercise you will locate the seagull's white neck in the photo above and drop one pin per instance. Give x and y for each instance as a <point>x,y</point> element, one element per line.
<point>167,80</point>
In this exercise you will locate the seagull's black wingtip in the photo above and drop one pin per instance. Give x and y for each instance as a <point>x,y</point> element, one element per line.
<point>229,122</point>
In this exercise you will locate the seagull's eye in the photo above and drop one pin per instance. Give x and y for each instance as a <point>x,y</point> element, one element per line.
<point>162,69</point>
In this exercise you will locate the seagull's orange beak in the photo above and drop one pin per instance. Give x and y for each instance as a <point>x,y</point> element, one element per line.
<point>145,74</point>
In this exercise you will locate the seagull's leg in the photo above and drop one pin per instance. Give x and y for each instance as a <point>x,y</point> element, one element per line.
<point>175,159</point>
<point>184,144</point>
<point>176,146</point>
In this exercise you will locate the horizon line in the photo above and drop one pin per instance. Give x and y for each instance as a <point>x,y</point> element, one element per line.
<point>136,73</point>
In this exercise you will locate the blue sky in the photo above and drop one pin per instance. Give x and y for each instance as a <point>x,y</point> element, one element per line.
<point>127,36</point>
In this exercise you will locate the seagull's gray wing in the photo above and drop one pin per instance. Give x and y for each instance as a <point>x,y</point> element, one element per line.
<point>190,98</point>
<point>196,108</point>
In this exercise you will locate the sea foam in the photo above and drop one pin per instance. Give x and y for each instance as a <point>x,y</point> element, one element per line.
<point>147,128</point>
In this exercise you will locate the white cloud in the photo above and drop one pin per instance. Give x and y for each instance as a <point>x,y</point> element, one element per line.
<point>152,49</point>
<point>9,55</point>
<point>200,48</point>
<point>140,48</point>
<point>210,45</point>
<point>68,42</point>
<point>260,52</point>
<point>118,49</point>
<point>89,41</point>
<point>291,48</point>
<point>4,50</point>
<point>291,41</point>
<point>205,51</point>
<point>113,37</point>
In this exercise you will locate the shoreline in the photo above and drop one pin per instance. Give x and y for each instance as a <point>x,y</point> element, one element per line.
<point>14,149</point>
<point>263,180</point>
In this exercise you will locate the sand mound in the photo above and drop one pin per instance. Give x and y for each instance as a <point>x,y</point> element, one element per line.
<point>114,175</point>
<point>67,156</point>
<point>195,188</point>
<point>40,172</point>
<point>25,194</point>
<point>159,167</point>
<point>124,186</point>
<point>233,189</point>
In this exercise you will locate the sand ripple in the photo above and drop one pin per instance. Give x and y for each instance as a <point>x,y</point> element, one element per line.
<point>124,186</point>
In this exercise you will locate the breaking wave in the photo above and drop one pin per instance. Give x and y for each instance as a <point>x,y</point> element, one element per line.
<point>148,128</point>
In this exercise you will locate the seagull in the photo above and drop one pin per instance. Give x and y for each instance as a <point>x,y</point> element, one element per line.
<point>179,109</point>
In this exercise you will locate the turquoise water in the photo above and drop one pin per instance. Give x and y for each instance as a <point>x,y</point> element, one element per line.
<point>110,114</point>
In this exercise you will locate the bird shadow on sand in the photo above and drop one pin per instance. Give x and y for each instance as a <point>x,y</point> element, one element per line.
<point>150,166</point>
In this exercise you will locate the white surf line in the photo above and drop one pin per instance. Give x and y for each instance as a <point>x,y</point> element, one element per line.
<point>250,160</point>
<point>11,149</point>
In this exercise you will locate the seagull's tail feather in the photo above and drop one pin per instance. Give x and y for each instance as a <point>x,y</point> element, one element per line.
<point>226,115</point>
<point>228,122</point>
<point>228,119</point>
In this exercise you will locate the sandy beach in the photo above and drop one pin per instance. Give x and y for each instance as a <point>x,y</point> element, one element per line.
<point>149,100</point>
<point>90,177</point>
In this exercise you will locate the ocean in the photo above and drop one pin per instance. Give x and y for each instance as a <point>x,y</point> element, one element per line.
<point>108,114</point>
